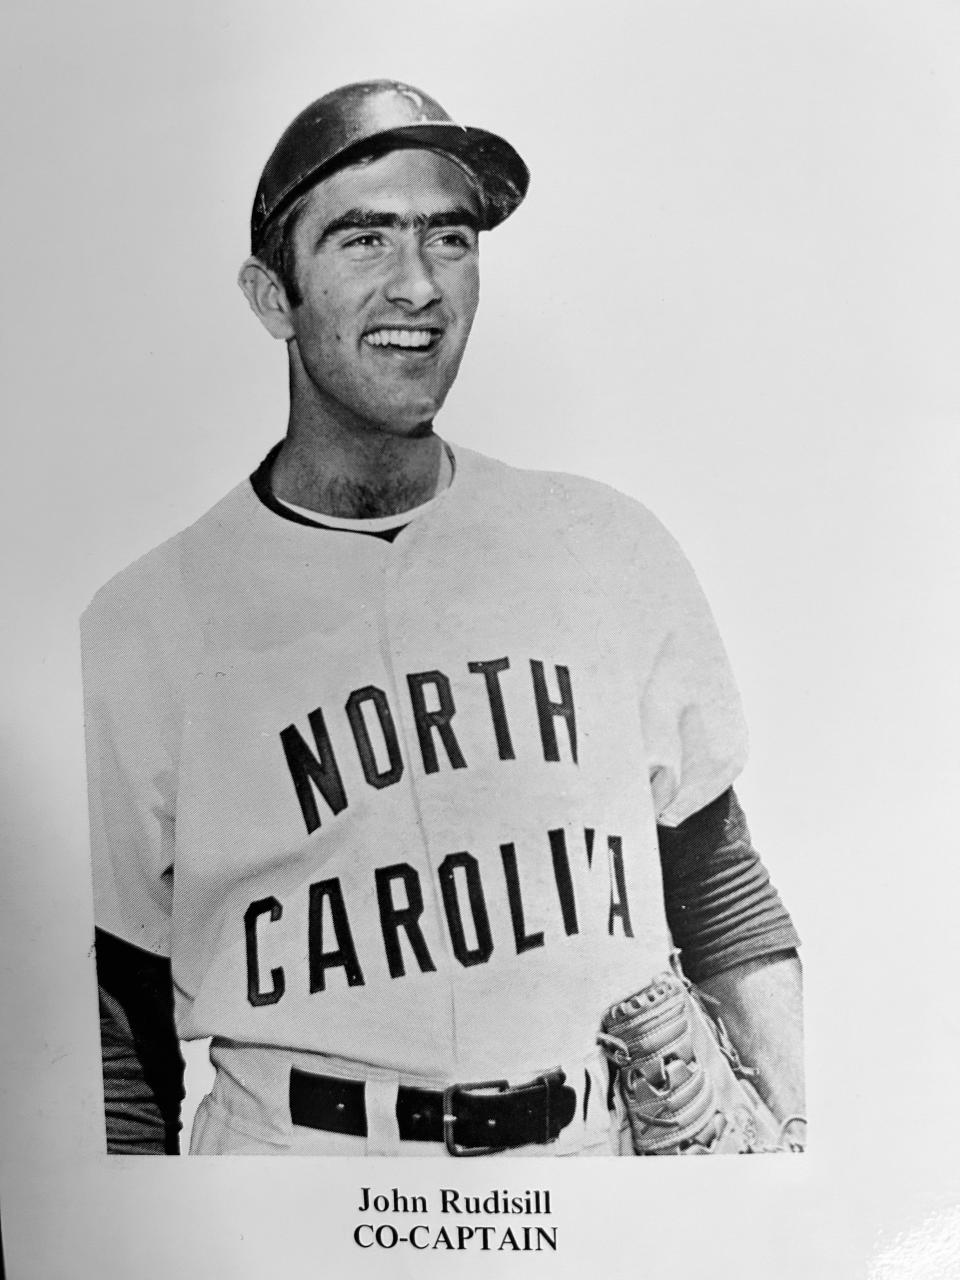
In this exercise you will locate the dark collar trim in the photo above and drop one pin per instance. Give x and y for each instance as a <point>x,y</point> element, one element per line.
<point>260,480</point>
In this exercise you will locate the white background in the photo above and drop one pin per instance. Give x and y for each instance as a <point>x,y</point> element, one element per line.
<point>734,292</point>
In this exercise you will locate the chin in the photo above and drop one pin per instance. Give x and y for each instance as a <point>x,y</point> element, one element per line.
<point>411,422</point>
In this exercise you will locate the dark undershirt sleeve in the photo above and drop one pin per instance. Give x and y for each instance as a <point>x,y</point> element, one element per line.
<point>721,907</point>
<point>142,1065</point>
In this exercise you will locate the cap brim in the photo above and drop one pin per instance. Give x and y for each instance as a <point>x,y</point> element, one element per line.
<point>501,177</point>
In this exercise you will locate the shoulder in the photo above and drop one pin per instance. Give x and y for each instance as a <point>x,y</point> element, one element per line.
<point>575,506</point>
<point>153,594</point>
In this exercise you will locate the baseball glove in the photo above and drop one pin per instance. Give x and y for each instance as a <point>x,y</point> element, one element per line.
<point>684,1088</point>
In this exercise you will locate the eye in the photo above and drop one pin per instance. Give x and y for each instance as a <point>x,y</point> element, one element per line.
<point>365,240</point>
<point>453,244</point>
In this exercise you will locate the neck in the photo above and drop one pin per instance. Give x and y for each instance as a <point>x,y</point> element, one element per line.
<point>340,469</point>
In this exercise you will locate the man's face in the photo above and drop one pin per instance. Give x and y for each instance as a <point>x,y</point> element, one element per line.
<point>387,266</point>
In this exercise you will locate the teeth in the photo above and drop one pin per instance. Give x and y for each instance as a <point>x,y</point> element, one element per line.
<point>399,338</point>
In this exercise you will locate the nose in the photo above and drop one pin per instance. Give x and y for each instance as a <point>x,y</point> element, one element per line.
<point>412,283</point>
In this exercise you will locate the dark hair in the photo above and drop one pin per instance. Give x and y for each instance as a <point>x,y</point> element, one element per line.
<point>277,250</point>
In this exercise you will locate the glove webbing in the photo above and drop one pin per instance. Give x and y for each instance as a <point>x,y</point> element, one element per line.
<point>669,1098</point>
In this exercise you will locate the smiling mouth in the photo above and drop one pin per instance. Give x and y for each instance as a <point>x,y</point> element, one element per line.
<point>402,339</point>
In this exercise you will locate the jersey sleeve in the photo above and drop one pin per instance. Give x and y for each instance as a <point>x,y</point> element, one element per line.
<point>693,725</point>
<point>142,1066</point>
<point>721,905</point>
<point>133,713</point>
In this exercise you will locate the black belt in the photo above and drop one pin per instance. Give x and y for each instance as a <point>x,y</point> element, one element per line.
<point>470,1118</point>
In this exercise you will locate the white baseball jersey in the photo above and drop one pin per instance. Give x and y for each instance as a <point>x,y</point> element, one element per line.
<point>395,803</point>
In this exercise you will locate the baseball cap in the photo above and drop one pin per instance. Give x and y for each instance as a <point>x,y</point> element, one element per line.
<point>344,123</point>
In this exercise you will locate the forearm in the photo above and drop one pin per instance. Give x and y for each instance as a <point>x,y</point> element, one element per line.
<point>142,1066</point>
<point>721,906</point>
<point>135,1122</point>
<point>761,1004</point>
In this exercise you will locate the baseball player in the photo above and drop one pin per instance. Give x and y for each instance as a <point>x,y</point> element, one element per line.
<point>405,765</point>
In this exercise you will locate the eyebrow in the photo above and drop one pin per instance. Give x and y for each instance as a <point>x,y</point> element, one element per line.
<point>373,220</point>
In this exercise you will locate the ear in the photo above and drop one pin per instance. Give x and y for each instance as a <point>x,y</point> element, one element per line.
<point>267,298</point>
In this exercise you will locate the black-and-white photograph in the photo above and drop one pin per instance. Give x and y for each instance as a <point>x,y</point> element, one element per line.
<point>379,747</point>
<point>481,723</point>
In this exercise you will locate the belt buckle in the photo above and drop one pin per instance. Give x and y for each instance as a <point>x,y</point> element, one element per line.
<point>450,1117</point>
